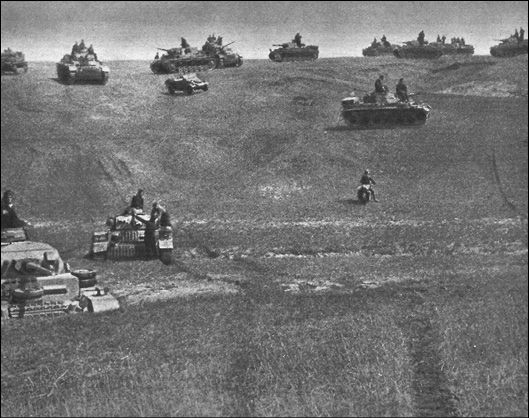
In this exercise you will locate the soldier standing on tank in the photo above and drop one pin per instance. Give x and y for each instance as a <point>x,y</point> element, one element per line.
<point>297,40</point>
<point>443,39</point>
<point>75,48</point>
<point>420,38</point>
<point>9,216</point>
<point>157,56</point>
<point>82,47</point>
<point>219,40</point>
<point>402,91</point>
<point>438,39</point>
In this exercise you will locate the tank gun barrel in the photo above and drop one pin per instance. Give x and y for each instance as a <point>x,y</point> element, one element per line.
<point>163,49</point>
<point>34,266</point>
<point>228,44</point>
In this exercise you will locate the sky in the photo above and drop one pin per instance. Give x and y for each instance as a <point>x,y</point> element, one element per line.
<point>122,30</point>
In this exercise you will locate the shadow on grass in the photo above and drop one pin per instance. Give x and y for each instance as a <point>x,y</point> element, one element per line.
<point>353,202</point>
<point>77,82</point>
<point>342,128</point>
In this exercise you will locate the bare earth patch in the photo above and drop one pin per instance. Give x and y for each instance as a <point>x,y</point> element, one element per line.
<point>484,89</point>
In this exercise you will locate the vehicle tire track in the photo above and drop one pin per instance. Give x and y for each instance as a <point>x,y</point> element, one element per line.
<point>431,393</point>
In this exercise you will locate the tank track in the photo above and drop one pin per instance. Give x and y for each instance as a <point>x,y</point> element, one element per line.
<point>384,117</point>
<point>36,309</point>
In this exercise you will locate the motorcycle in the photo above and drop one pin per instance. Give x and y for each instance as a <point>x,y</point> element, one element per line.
<point>363,193</point>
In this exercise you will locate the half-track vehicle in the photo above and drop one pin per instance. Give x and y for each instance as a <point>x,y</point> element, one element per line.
<point>13,62</point>
<point>128,239</point>
<point>510,47</point>
<point>36,281</point>
<point>224,57</point>
<point>82,65</point>
<point>182,60</point>
<point>187,83</point>
<point>383,110</point>
<point>290,51</point>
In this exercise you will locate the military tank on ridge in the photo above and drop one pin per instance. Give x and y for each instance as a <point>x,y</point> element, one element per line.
<point>511,46</point>
<point>13,61</point>
<point>294,51</point>
<point>457,46</point>
<point>378,110</point>
<point>419,48</point>
<point>82,65</point>
<point>224,57</point>
<point>181,60</point>
<point>379,48</point>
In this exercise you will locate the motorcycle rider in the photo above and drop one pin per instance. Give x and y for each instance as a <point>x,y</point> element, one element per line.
<point>367,182</point>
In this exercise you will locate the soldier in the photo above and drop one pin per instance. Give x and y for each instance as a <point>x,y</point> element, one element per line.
<point>374,43</point>
<point>462,41</point>
<point>385,41</point>
<point>159,217</point>
<point>82,47</point>
<point>75,48</point>
<point>368,182</point>
<point>9,216</point>
<point>443,39</point>
<point>420,38</point>
<point>297,40</point>
<point>438,39</point>
<point>91,49</point>
<point>402,91</point>
<point>157,56</point>
<point>219,40</point>
<point>521,36</point>
<point>379,87</point>
<point>516,34</point>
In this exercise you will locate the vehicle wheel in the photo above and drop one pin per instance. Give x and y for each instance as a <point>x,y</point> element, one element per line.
<point>84,283</point>
<point>363,196</point>
<point>104,80</point>
<point>166,256</point>
<point>278,57</point>
<point>238,63</point>
<point>84,274</point>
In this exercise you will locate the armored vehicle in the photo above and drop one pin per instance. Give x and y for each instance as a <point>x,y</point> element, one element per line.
<point>224,57</point>
<point>383,110</point>
<point>82,65</point>
<point>414,49</point>
<point>455,48</point>
<point>509,47</point>
<point>13,62</point>
<point>290,51</point>
<point>182,60</point>
<point>37,282</point>
<point>379,48</point>
<point>129,239</point>
<point>187,83</point>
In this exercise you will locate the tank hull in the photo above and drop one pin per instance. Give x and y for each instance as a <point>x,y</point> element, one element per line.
<point>417,52</point>
<point>509,50</point>
<point>379,51</point>
<point>373,115</point>
<point>307,53</point>
<point>184,65</point>
<point>14,63</point>
<point>74,73</point>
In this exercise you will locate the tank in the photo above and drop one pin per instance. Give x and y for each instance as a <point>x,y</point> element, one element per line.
<point>82,66</point>
<point>13,62</point>
<point>224,57</point>
<point>413,49</point>
<point>187,83</point>
<point>454,48</point>
<point>383,110</point>
<point>509,47</point>
<point>181,61</point>
<point>379,48</point>
<point>290,51</point>
<point>125,239</point>
<point>37,282</point>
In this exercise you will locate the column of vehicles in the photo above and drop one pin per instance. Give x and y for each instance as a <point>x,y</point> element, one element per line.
<point>36,281</point>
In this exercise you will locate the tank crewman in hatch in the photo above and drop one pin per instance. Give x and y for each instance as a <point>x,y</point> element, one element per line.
<point>297,40</point>
<point>402,91</point>
<point>9,216</point>
<point>75,48</point>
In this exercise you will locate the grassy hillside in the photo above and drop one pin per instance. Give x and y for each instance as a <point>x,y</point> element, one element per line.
<point>286,297</point>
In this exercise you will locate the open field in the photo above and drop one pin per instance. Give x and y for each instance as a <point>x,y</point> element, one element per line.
<point>286,297</point>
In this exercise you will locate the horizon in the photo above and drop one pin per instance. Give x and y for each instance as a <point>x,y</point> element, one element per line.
<point>123,30</point>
